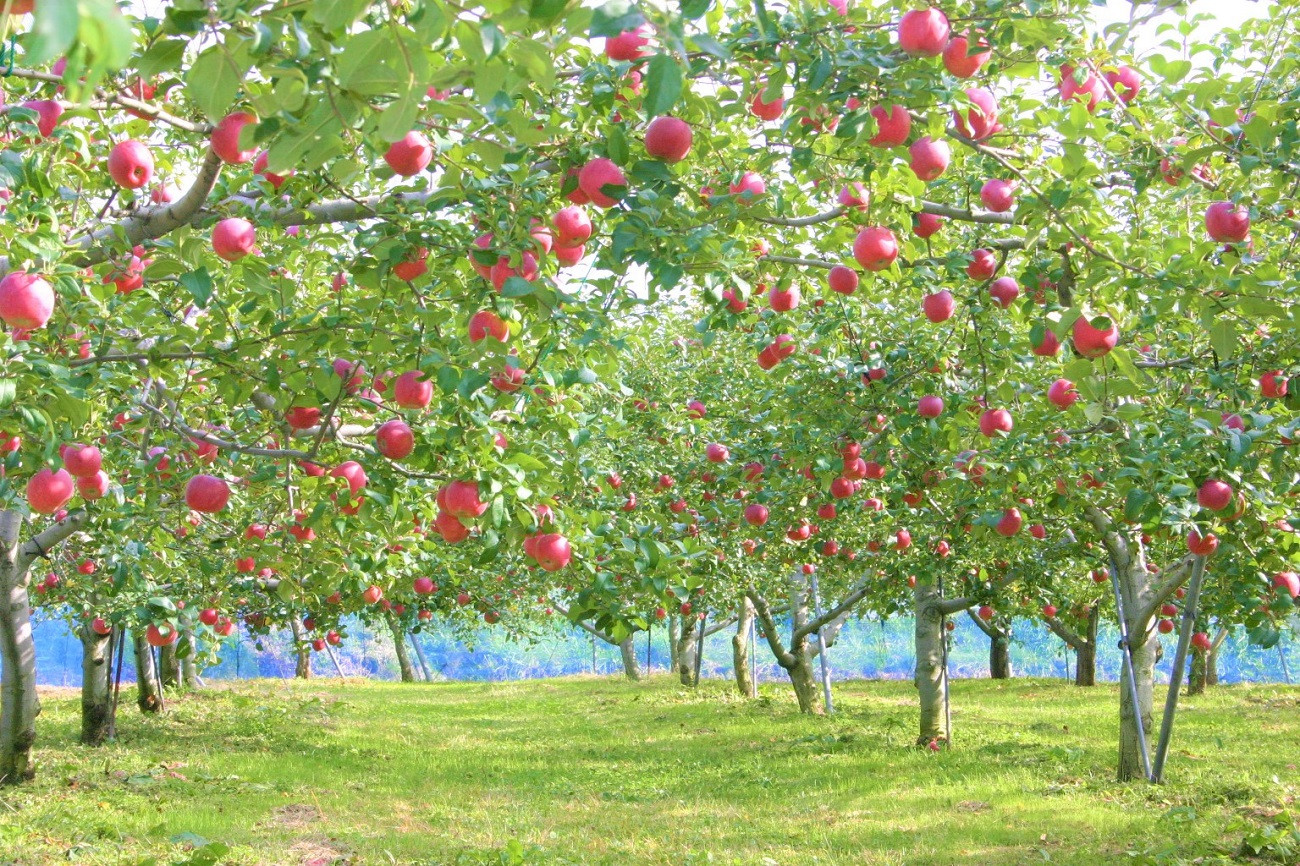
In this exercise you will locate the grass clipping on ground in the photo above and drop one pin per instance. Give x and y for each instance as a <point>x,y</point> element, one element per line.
<point>601,771</point>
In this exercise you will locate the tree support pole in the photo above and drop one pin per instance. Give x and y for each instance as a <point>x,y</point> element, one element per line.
<point>699,647</point>
<point>1281,656</point>
<point>1127,654</point>
<point>1180,664</point>
<point>821,643</point>
<point>329,649</point>
<point>753,654</point>
<point>419,655</point>
<point>648,627</point>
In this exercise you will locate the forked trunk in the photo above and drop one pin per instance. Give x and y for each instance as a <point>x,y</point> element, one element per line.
<point>18,703</point>
<point>931,673</point>
<point>146,677</point>
<point>803,679</point>
<point>1000,657</point>
<point>631,669</point>
<point>399,645</point>
<point>740,650</point>
<point>96,686</point>
<point>687,644</point>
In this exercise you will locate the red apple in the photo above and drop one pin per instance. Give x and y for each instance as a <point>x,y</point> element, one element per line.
<point>1004,290</point>
<point>766,110</point>
<point>843,280</point>
<point>233,238</point>
<point>409,155</point>
<point>717,453</point>
<point>410,392</point>
<point>26,300</point>
<point>958,59</point>
<point>998,195</point>
<point>630,44</point>
<point>1202,545</point>
<point>82,460</point>
<point>130,164</point>
<point>783,300</point>
<point>930,407</point>
<point>394,439</point>
<point>1062,394</point>
<point>207,494</point>
<point>92,487</point>
<point>748,188</point>
<point>48,490</point>
<point>603,182</point>
<point>1094,338</point>
<point>668,138</point>
<point>161,636</point>
<point>486,323</point>
<point>1010,522</point>
<point>1226,222</point>
<point>930,158</point>
<point>1273,385</point>
<point>460,499</point>
<point>226,135</point>
<point>983,265</point>
<point>1125,82</point>
<point>553,551</point>
<point>875,248</point>
<point>1214,495</point>
<point>939,306</point>
<point>893,126</point>
<point>994,421</point>
<point>923,32</point>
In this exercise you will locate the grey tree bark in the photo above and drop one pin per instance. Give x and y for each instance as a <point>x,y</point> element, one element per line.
<point>1197,676</point>
<point>19,705</point>
<point>931,674</point>
<point>999,647</point>
<point>1084,645</point>
<point>96,685</point>
<point>1212,658</point>
<point>740,649</point>
<point>399,644</point>
<point>302,653</point>
<point>146,676</point>
<point>673,635</point>
<point>687,642</point>
<point>169,666</point>
<point>631,669</point>
<point>189,668</point>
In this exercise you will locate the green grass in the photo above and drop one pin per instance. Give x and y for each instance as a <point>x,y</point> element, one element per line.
<point>599,771</point>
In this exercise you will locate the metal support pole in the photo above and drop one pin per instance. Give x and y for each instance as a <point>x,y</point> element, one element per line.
<point>699,646</point>
<point>119,634</point>
<point>753,657</point>
<point>157,677</point>
<point>1281,656</point>
<point>419,654</point>
<point>1127,657</point>
<point>821,642</point>
<point>648,627</point>
<point>329,649</point>
<point>1180,664</point>
<point>593,654</point>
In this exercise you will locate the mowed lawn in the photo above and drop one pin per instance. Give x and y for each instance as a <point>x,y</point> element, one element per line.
<point>601,771</point>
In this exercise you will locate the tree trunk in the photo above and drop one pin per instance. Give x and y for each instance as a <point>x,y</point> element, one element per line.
<point>302,668</point>
<point>146,677</point>
<point>1085,667</point>
<point>1196,679</point>
<point>1212,658</point>
<point>740,650</point>
<point>1000,657</point>
<point>673,633</point>
<point>806,687</point>
<point>1144,641</point>
<point>931,675</point>
<point>687,644</point>
<point>96,685</point>
<point>631,669</point>
<point>399,644</point>
<point>18,703</point>
<point>189,668</point>
<point>169,666</point>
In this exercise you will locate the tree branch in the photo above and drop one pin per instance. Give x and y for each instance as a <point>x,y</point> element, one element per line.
<point>783,657</point>
<point>1064,632</point>
<point>1170,580</point>
<point>47,539</point>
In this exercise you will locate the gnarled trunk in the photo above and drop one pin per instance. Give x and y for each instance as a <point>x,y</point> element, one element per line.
<point>740,650</point>
<point>19,706</point>
<point>146,678</point>
<point>302,654</point>
<point>931,676</point>
<point>1000,657</point>
<point>804,681</point>
<point>1212,658</point>
<point>1085,668</point>
<point>96,685</point>
<point>399,645</point>
<point>169,666</point>
<point>1196,678</point>
<point>631,669</point>
<point>687,646</point>
<point>189,668</point>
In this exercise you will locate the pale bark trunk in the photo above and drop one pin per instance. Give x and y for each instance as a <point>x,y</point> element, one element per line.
<point>169,666</point>
<point>1000,658</point>
<point>146,677</point>
<point>740,650</point>
<point>399,644</point>
<point>96,686</point>
<point>302,667</point>
<point>1144,664</point>
<point>673,634</point>
<point>687,645</point>
<point>931,674</point>
<point>189,668</point>
<point>631,669</point>
<point>1197,677</point>
<point>19,706</point>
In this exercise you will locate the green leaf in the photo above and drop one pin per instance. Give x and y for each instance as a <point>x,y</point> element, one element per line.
<point>546,10</point>
<point>216,76</point>
<point>663,85</point>
<point>54,29</point>
<point>399,117</point>
<point>615,17</point>
<point>8,390</point>
<point>692,9</point>
<point>1223,337</point>
<point>199,285</point>
<point>517,287</point>
<point>163,56</point>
